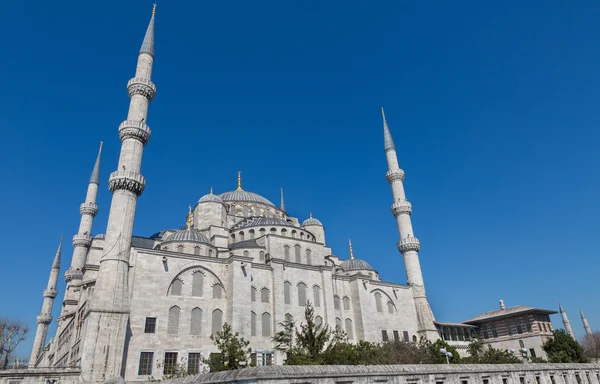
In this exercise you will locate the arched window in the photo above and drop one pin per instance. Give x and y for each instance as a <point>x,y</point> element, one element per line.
<point>302,294</point>
<point>284,232</point>
<point>287,287</point>
<point>346,301</point>
<point>176,287</point>
<point>233,237</point>
<point>390,307</point>
<point>308,257</point>
<point>262,231</point>
<point>246,254</point>
<point>317,295</point>
<point>173,323</point>
<point>217,321</point>
<point>253,291</point>
<point>349,329</point>
<point>210,253</point>
<point>286,252</point>
<point>338,323</point>
<point>336,302</point>
<point>242,236</point>
<point>252,324</point>
<point>288,317</point>
<point>414,338</point>
<point>521,344</point>
<point>217,291</point>
<point>294,233</point>
<point>180,248</point>
<point>266,324</point>
<point>196,322</point>
<point>378,302</point>
<point>197,284</point>
<point>297,253</point>
<point>318,321</point>
<point>252,233</point>
<point>302,235</point>
<point>264,295</point>
<point>196,250</point>
<point>261,256</point>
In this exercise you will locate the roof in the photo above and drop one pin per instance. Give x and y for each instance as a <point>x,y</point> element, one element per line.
<point>246,244</point>
<point>210,198</point>
<point>188,235</point>
<point>500,313</point>
<point>148,43</point>
<point>244,196</point>
<point>261,221</point>
<point>450,324</point>
<point>356,265</point>
<point>311,221</point>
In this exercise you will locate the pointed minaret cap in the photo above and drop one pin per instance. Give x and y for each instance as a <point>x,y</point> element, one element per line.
<point>239,187</point>
<point>282,206</point>
<point>560,308</point>
<point>351,250</point>
<point>95,178</point>
<point>56,263</point>
<point>388,143</point>
<point>148,44</point>
<point>581,312</point>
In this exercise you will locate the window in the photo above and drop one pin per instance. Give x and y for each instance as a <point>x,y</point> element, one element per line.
<point>145,366</point>
<point>150,326</point>
<point>252,233</point>
<point>336,302</point>
<point>170,363</point>
<point>287,286</point>
<point>180,248</point>
<point>522,380</point>
<point>176,287</point>
<point>414,338</point>
<point>194,360</point>
<point>537,380</point>
<point>284,232</point>
<point>210,253</point>
<point>293,233</point>
<point>349,329</point>
<point>297,253</point>
<point>378,302</point>
<point>486,381</point>
<point>302,294</point>
<point>338,323</point>
<point>494,331</point>
<point>261,256</point>
<point>504,380</point>
<point>532,352</point>
<point>173,324</point>
<point>390,306</point>
<point>246,254</point>
<point>396,336</point>
<point>485,334</point>
<point>217,321</point>
<point>217,291</point>
<point>384,335</point>
<point>578,378</point>
<point>552,379</point>
<point>286,252</point>
<point>196,250</point>
<point>266,324</point>
<point>317,296</point>
<point>242,233</point>
<point>346,301</point>
<point>405,334</point>
<point>197,284</point>
<point>318,321</point>
<point>264,295</point>
<point>262,231</point>
<point>196,322</point>
<point>519,329</point>
<point>288,317</point>
<point>521,344</point>
<point>253,291</point>
<point>308,257</point>
<point>252,324</point>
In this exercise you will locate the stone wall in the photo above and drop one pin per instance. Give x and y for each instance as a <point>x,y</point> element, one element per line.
<point>406,374</point>
<point>40,376</point>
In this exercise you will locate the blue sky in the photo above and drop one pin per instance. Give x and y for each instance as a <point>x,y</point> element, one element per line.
<point>493,108</point>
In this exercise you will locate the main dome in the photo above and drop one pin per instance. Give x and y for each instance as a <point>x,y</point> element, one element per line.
<point>244,196</point>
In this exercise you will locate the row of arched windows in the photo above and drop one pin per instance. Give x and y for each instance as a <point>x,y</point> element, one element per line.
<point>195,326</point>
<point>261,255</point>
<point>302,289</point>
<point>337,301</point>
<point>265,324</point>
<point>250,210</point>
<point>349,328</point>
<point>379,304</point>
<point>265,294</point>
<point>197,287</point>
<point>187,248</point>
<point>297,254</point>
<point>251,234</point>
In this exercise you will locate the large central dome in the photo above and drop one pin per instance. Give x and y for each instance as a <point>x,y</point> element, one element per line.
<point>244,196</point>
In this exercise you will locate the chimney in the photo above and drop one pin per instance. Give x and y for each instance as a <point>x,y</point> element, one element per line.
<point>502,304</point>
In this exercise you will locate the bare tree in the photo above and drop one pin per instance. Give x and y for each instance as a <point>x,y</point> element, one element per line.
<point>11,334</point>
<point>591,345</point>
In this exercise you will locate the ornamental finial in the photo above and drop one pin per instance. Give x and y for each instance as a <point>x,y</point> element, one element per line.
<point>310,215</point>
<point>282,205</point>
<point>189,219</point>
<point>154,9</point>
<point>211,190</point>
<point>351,252</point>
<point>239,188</point>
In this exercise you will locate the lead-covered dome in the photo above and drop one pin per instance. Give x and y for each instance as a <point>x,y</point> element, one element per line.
<point>311,221</point>
<point>356,265</point>
<point>244,196</point>
<point>210,198</point>
<point>188,236</point>
<point>261,221</point>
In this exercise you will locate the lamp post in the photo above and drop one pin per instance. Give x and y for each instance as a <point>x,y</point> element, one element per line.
<point>448,355</point>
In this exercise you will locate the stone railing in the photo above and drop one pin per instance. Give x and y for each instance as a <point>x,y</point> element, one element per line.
<point>141,86</point>
<point>394,175</point>
<point>409,244</point>
<point>51,293</point>
<point>131,181</point>
<point>88,209</point>
<point>71,274</point>
<point>82,240</point>
<point>134,129</point>
<point>44,319</point>
<point>40,375</point>
<point>400,207</point>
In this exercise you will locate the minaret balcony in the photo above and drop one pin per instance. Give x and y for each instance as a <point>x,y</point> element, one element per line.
<point>50,293</point>
<point>88,209</point>
<point>44,319</point>
<point>409,243</point>
<point>394,175</point>
<point>141,86</point>
<point>130,181</point>
<point>401,207</point>
<point>73,274</point>
<point>82,240</point>
<point>134,129</point>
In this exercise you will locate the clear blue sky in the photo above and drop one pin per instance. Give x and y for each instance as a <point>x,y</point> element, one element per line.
<point>494,109</point>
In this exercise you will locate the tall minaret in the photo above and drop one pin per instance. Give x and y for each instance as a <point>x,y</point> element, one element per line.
<point>408,245</point>
<point>45,317</point>
<point>282,206</point>
<point>82,240</point>
<point>107,323</point>
<point>586,325</point>
<point>566,321</point>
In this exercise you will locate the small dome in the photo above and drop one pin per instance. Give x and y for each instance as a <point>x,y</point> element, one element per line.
<point>356,265</point>
<point>189,236</point>
<point>100,236</point>
<point>311,221</point>
<point>210,198</point>
<point>244,196</point>
<point>261,221</point>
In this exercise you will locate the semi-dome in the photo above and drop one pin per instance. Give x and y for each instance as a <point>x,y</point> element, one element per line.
<point>188,236</point>
<point>210,198</point>
<point>261,221</point>
<point>311,221</point>
<point>244,196</point>
<point>356,265</point>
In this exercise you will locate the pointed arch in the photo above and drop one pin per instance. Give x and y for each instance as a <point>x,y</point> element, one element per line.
<point>252,323</point>
<point>287,288</point>
<point>173,322</point>
<point>253,292</point>
<point>302,294</point>
<point>297,255</point>
<point>196,322</point>
<point>197,284</point>
<point>349,329</point>
<point>346,301</point>
<point>308,256</point>
<point>336,302</point>
<point>378,303</point>
<point>176,287</point>
<point>264,295</point>
<point>316,295</point>
<point>261,256</point>
<point>217,291</point>
<point>217,321</point>
<point>286,252</point>
<point>266,324</point>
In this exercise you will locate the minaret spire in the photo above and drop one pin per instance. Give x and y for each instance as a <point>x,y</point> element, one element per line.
<point>586,325</point>
<point>95,178</point>
<point>566,321</point>
<point>45,317</point>
<point>351,251</point>
<point>109,307</point>
<point>408,245</point>
<point>282,206</point>
<point>239,182</point>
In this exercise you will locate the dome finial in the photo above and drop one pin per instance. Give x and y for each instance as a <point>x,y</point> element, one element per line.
<point>211,191</point>
<point>189,219</point>
<point>239,188</point>
<point>310,214</point>
<point>154,9</point>
<point>282,205</point>
<point>351,251</point>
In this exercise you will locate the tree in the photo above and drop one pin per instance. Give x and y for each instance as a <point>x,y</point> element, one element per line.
<point>11,334</point>
<point>434,351</point>
<point>591,345</point>
<point>479,354</point>
<point>563,349</point>
<point>232,350</point>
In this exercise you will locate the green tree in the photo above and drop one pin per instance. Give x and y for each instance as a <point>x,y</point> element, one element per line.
<point>232,350</point>
<point>434,351</point>
<point>563,349</point>
<point>480,354</point>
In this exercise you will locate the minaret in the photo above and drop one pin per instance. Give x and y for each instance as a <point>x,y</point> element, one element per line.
<point>566,321</point>
<point>45,317</point>
<point>586,325</point>
<point>408,245</point>
<point>82,240</point>
<point>107,323</point>
<point>282,206</point>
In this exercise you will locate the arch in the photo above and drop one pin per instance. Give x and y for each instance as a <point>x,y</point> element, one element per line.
<point>297,253</point>
<point>210,253</point>
<point>287,287</point>
<point>180,248</point>
<point>294,233</point>
<point>242,236</point>
<point>302,294</point>
<point>246,254</point>
<point>336,302</point>
<point>317,296</point>
<point>284,232</point>
<point>391,308</point>
<point>197,284</point>
<point>253,292</point>
<point>217,291</point>
<point>261,256</point>
<point>319,321</point>
<point>264,295</point>
<point>262,231</point>
<point>173,322</point>
<point>349,329</point>
<point>217,321</point>
<point>346,301</point>
<point>308,256</point>
<point>286,252</point>
<point>521,344</point>
<point>197,250</point>
<point>338,323</point>
<point>302,235</point>
<point>266,324</point>
<point>414,338</point>
<point>182,274</point>
<point>273,231</point>
<point>289,317</point>
<point>378,303</point>
<point>251,233</point>
<point>383,295</point>
<point>233,237</point>
<point>196,322</point>
<point>176,287</point>
<point>252,323</point>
